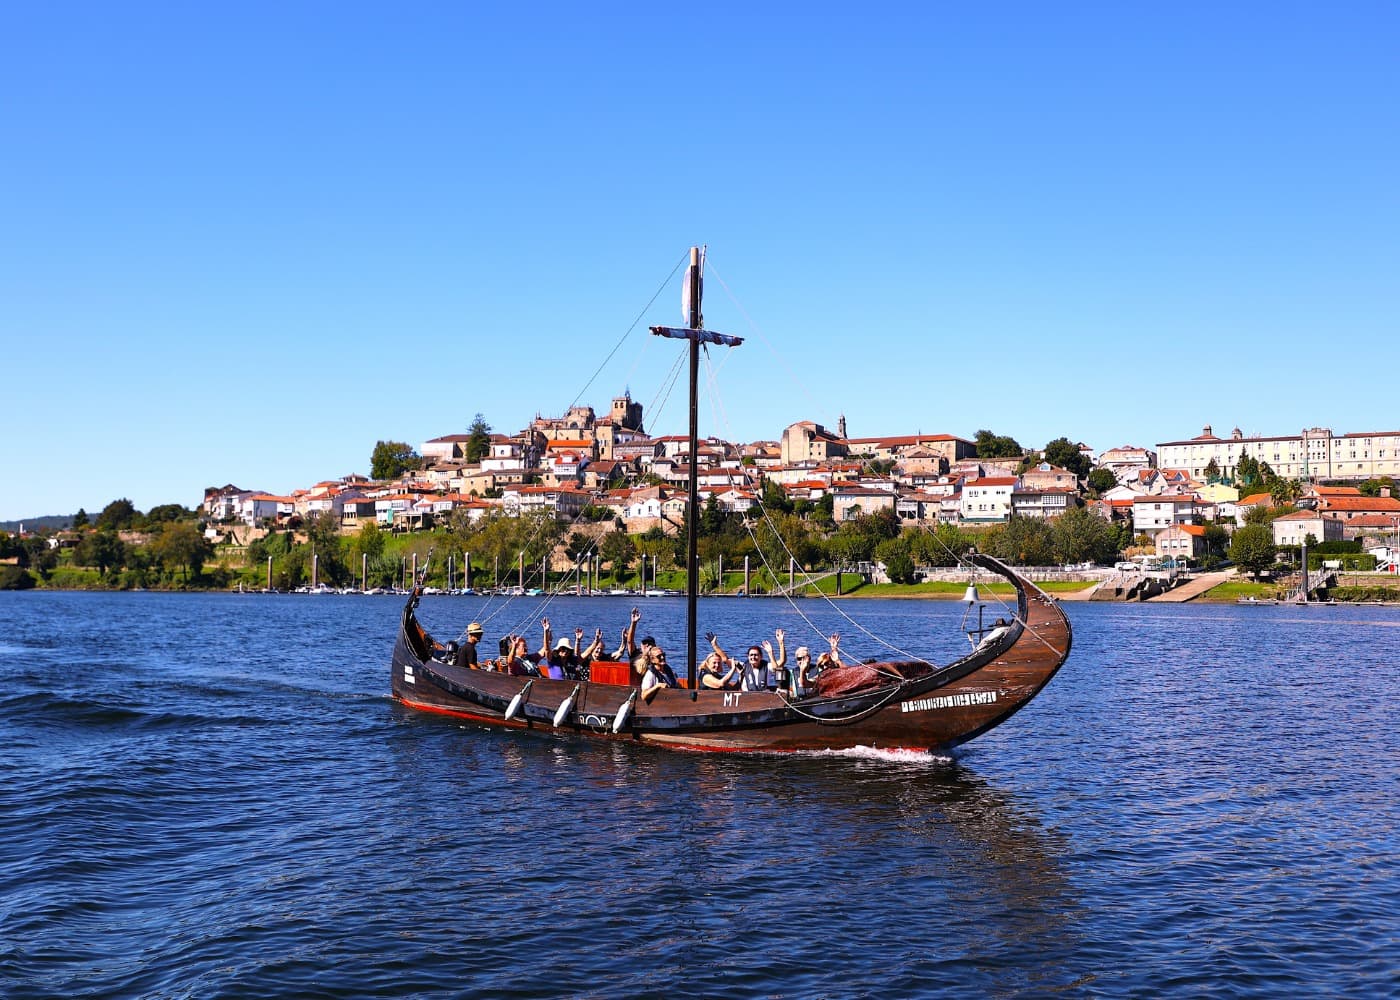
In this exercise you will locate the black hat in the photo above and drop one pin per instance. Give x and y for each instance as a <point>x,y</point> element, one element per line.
<point>648,641</point>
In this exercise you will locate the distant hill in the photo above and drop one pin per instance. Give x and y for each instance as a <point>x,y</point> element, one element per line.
<point>35,523</point>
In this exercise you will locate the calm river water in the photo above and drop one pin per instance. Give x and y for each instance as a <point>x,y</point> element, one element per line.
<point>213,796</point>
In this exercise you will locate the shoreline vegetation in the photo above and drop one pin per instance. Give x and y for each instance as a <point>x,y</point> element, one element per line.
<point>1375,590</point>
<point>172,548</point>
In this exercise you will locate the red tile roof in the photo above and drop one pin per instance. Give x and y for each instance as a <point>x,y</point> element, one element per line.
<point>1376,504</point>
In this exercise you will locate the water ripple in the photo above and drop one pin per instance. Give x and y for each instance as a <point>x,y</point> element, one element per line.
<point>213,796</point>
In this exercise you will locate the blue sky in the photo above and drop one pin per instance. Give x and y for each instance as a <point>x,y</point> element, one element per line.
<point>243,243</point>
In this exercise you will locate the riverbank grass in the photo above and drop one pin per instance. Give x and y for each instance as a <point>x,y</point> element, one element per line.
<point>1233,590</point>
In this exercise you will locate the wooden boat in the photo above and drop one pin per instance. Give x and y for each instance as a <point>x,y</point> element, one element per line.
<point>888,705</point>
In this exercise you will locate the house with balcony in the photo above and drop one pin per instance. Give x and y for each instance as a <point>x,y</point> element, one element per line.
<point>393,510</point>
<point>255,508</point>
<point>1153,513</point>
<point>850,502</point>
<point>1044,502</point>
<point>355,511</point>
<point>917,507</point>
<point>222,502</point>
<point>732,500</point>
<point>562,502</point>
<point>987,499</point>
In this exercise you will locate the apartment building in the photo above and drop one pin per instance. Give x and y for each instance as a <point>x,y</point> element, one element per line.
<point>1315,453</point>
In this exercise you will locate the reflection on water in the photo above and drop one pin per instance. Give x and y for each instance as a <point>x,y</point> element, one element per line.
<point>909,861</point>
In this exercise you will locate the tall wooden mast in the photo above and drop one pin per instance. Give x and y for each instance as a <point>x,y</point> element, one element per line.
<point>696,333</point>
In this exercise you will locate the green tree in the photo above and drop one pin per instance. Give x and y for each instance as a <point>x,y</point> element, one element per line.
<point>1212,471</point>
<point>272,544</point>
<point>323,532</point>
<point>102,549</point>
<point>780,537</point>
<point>1258,515</point>
<point>1252,548</point>
<point>391,459</point>
<point>479,439</point>
<point>893,553</point>
<point>363,547</point>
<point>1080,535</point>
<point>1122,533</point>
<point>368,541</point>
<point>117,515</point>
<point>774,497</point>
<point>661,551</point>
<point>180,545</point>
<point>539,532</point>
<point>494,542</point>
<point>1101,481</point>
<point>80,519</point>
<point>168,512</point>
<point>1247,471</point>
<point>855,539</point>
<point>991,445</point>
<point>1217,543</point>
<point>36,555</point>
<point>1066,455</point>
<point>1285,491</point>
<point>577,546</point>
<point>15,578</point>
<point>712,519</point>
<point>945,545</point>
<point>1025,541</point>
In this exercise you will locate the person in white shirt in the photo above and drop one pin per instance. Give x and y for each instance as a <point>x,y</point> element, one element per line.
<point>658,675</point>
<point>762,668</point>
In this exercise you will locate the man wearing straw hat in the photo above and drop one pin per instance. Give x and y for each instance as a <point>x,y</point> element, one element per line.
<point>466,652</point>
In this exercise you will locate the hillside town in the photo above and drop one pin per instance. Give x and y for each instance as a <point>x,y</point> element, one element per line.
<point>1340,484</point>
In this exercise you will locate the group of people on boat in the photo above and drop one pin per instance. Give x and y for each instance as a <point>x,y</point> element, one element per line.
<point>761,668</point>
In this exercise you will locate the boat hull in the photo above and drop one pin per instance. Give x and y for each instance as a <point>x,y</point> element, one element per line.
<point>909,705</point>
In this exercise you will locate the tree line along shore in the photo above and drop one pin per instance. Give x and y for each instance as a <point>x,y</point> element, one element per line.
<point>779,551</point>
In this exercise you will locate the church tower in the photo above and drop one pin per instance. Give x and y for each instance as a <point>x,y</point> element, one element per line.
<point>627,414</point>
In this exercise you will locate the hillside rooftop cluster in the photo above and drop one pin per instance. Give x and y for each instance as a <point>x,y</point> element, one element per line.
<point>612,469</point>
